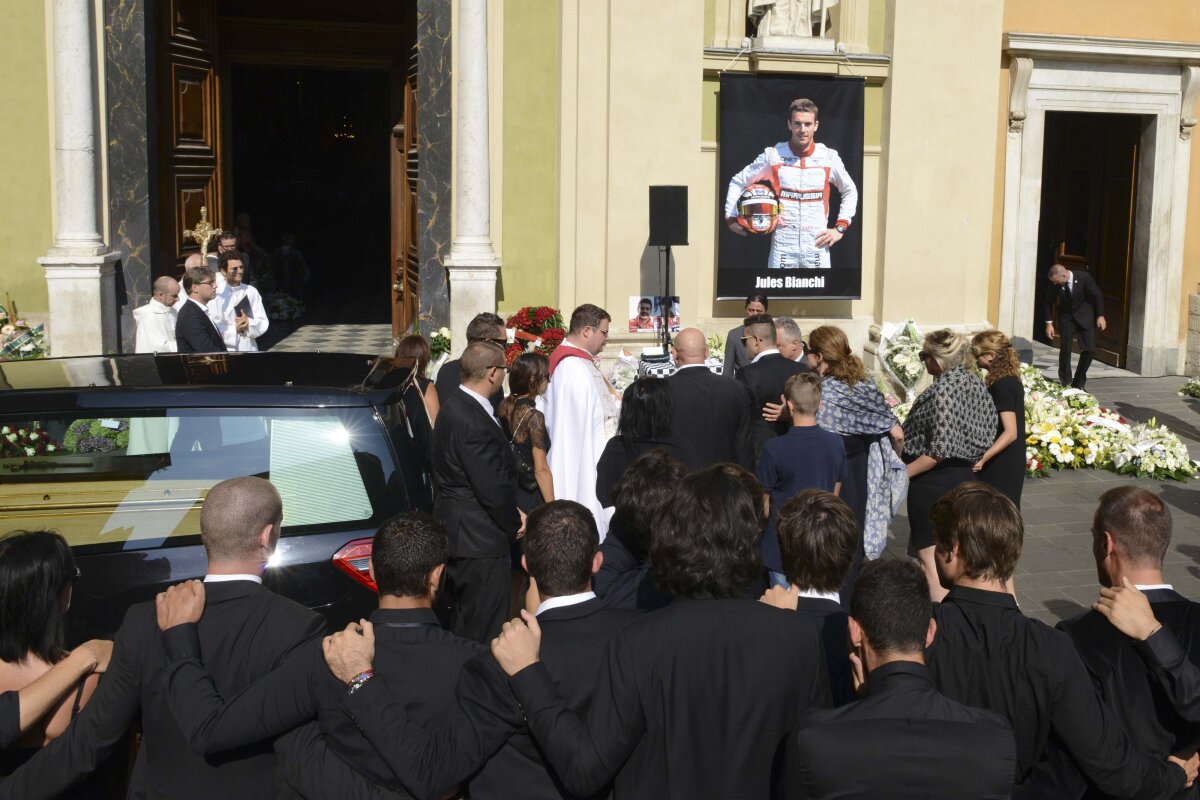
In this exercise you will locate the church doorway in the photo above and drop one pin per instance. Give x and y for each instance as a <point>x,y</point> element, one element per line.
<point>1088,212</point>
<point>311,179</point>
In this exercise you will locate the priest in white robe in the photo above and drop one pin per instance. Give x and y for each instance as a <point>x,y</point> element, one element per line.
<point>155,321</point>
<point>243,316</point>
<point>581,410</point>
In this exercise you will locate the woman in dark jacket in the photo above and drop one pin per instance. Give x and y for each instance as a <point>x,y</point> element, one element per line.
<point>645,424</point>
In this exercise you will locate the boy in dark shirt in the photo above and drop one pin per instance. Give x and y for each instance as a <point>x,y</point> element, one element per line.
<point>806,457</point>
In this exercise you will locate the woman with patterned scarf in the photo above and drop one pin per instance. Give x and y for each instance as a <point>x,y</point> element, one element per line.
<point>951,425</point>
<point>852,405</point>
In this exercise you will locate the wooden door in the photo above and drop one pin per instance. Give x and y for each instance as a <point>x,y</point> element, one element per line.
<point>406,262</point>
<point>1088,210</point>
<point>188,127</point>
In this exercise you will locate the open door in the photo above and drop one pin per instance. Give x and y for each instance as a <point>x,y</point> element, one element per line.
<point>406,261</point>
<point>1089,191</point>
<point>188,128</point>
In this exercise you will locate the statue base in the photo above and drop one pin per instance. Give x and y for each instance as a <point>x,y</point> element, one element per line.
<point>792,44</point>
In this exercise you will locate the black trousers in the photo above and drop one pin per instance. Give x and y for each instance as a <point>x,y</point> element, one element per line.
<point>1068,329</point>
<point>474,599</point>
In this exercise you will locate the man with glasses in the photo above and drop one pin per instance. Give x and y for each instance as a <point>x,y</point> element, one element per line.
<point>485,327</point>
<point>476,497</point>
<point>195,332</point>
<point>735,351</point>
<point>581,410</point>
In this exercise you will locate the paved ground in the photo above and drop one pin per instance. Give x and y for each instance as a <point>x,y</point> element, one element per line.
<point>1056,577</point>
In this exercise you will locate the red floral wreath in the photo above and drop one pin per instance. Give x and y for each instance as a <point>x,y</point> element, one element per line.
<point>534,323</point>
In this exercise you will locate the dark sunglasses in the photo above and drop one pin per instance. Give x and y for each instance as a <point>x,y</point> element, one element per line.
<point>744,338</point>
<point>923,355</point>
<point>501,342</point>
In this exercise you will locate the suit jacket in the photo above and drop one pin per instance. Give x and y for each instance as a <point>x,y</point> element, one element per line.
<point>195,332</point>
<point>765,379</point>
<point>908,741</point>
<point>989,655</point>
<point>1082,305</point>
<point>712,414</point>
<point>475,480</point>
<point>626,578</point>
<point>831,620</point>
<point>1135,689</point>
<point>246,631</point>
<point>692,701</point>
<point>449,378</point>
<point>736,356</point>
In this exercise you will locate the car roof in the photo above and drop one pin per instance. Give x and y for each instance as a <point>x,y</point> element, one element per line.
<point>271,379</point>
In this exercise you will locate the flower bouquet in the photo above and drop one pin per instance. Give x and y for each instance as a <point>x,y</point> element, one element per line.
<point>716,347</point>
<point>1151,451</point>
<point>18,340</point>
<point>1191,389</point>
<point>439,350</point>
<point>17,442</point>
<point>97,435</point>
<point>543,326</point>
<point>899,351</point>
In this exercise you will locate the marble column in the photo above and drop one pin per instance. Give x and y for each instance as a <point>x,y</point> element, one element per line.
<point>79,268</point>
<point>472,263</point>
<point>435,110</point>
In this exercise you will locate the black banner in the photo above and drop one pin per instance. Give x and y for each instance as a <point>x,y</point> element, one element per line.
<point>756,129</point>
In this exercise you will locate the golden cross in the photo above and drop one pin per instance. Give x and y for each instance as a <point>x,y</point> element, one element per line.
<point>203,232</point>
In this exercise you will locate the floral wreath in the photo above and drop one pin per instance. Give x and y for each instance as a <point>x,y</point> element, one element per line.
<point>538,326</point>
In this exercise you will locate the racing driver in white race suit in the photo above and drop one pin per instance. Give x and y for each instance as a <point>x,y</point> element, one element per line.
<point>800,171</point>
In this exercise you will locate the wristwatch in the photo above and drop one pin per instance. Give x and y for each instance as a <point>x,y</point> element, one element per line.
<point>840,228</point>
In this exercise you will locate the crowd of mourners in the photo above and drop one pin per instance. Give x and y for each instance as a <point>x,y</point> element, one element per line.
<point>679,593</point>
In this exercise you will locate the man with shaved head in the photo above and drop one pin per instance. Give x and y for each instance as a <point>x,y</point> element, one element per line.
<point>155,321</point>
<point>764,377</point>
<point>710,413</point>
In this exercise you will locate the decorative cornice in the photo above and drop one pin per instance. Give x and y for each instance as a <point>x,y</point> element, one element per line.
<point>1187,107</point>
<point>1101,48</point>
<point>872,66</point>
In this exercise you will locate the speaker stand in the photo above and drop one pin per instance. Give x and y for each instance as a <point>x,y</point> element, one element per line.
<point>664,253</point>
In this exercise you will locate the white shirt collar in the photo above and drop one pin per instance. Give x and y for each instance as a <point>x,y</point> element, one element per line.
<point>1146,587</point>
<point>197,302</point>
<point>685,366</point>
<point>764,353</point>
<point>159,307</point>
<point>483,402</point>
<point>233,577</point>
<point>563,601</point>
<point>814,594</point>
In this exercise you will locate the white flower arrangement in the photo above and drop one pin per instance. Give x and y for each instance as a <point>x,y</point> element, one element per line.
<point>900,352</point>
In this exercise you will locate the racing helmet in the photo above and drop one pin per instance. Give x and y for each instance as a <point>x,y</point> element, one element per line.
<point>758,208</point>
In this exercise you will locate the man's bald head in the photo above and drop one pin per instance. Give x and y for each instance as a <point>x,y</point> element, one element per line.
<point>165,290</point>
<point>194,260</point>
<point>690,347</point>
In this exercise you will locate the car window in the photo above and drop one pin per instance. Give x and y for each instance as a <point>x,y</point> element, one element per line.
<point>133,480</point>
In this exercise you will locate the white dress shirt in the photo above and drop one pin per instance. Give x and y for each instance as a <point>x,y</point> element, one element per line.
<point>764,353</point>
<point>237,576</point>
<point>563,601</point>
<point>483,402</point>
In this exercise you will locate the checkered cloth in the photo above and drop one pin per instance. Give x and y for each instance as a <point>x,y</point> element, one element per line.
<point>654,368</point>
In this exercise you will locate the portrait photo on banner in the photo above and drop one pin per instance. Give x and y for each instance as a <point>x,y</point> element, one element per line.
<point>790,187</point>
<point>646,313</point>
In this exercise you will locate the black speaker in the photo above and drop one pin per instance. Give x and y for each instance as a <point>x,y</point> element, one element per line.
<point>668,215</point>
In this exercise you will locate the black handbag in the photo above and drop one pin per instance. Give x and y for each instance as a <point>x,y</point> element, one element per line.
<point>526,479</point>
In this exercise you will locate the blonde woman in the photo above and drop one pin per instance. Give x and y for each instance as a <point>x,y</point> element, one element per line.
<point>1003,465</point>
<point>951,425</point>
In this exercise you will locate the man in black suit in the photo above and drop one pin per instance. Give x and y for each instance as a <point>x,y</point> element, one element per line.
<point>1080,306</point>
<point>990,655</point>
<point>485,327</point>
<point>247,631</point>
<point>561,554</point>
<point>907,740</point>
<point>818,535</point>
<point>764,377</point>
<point>194,328</point>
<point>694,699</point>
<point>1131,532</point>
<point>476,497</point>
<point>710,414</point>
<point>735,349</point>
<point>417,662</point>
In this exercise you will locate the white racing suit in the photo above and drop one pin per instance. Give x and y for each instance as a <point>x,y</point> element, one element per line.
<point>802,184</point>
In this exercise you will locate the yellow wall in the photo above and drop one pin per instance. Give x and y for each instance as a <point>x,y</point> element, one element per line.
<point>939,145</point>
<point>529,275</point>
<point>25,210</point>
<point>1169,20</point>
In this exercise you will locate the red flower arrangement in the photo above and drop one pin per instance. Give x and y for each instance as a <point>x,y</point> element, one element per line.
<point>541,326</point>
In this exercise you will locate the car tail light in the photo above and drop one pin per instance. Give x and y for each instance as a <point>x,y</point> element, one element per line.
<point>354,560</point>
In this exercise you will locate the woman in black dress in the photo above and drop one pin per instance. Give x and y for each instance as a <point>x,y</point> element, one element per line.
<point>528,378</point>
<point>951,425</point>
<point>1003,465</point>
<point>421,406</point>
<point>645,424</point>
